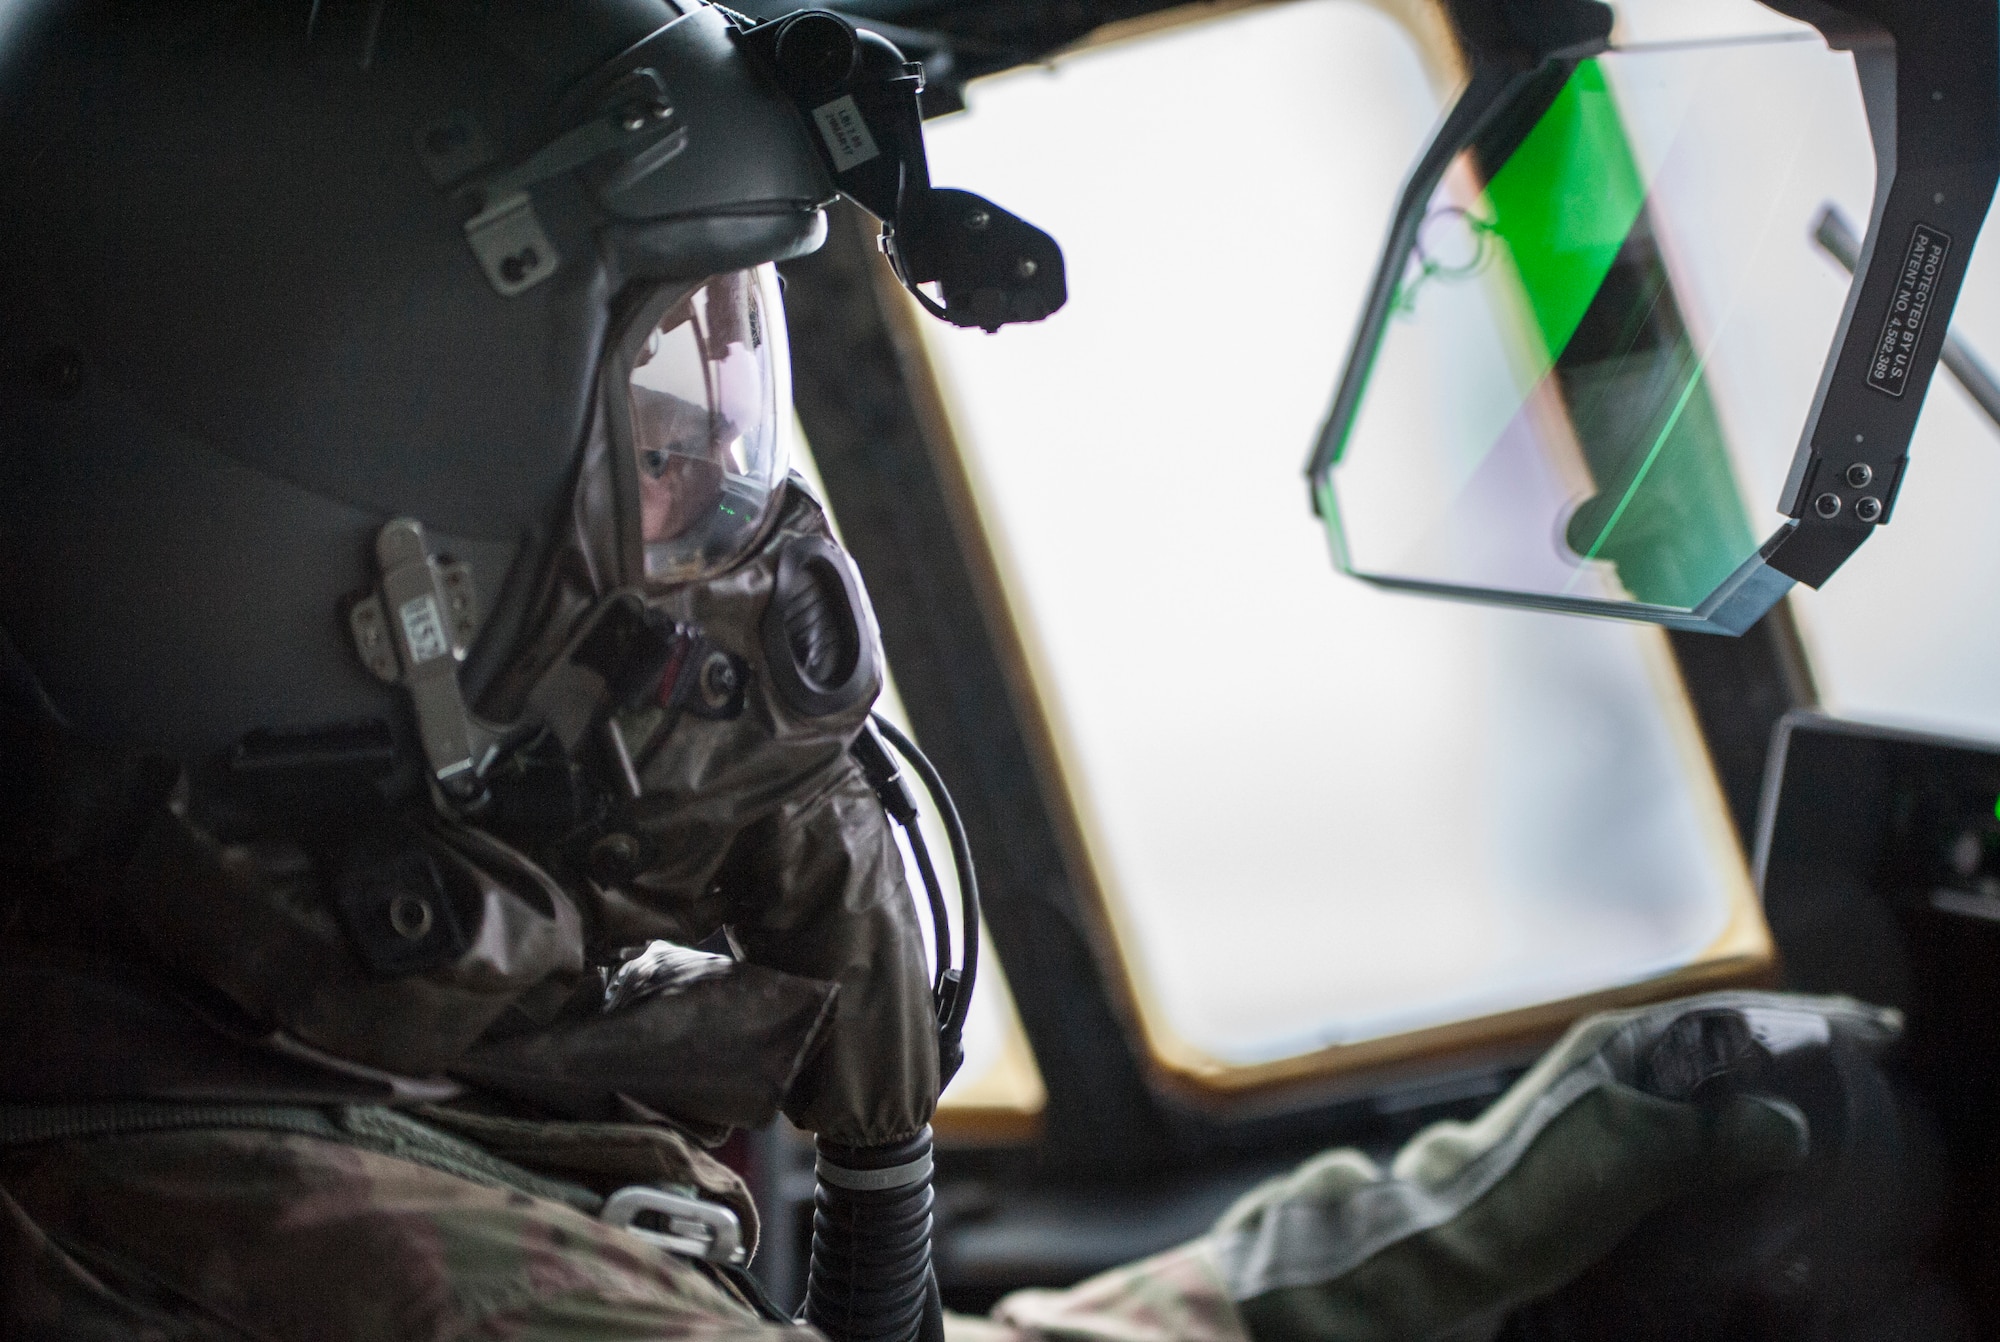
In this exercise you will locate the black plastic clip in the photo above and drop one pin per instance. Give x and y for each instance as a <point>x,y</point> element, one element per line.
<point>878,766</point>
<point>860,101</point>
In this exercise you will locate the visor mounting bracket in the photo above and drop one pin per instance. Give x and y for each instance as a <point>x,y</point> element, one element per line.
<point>636,118</point>
<point>512,248</point>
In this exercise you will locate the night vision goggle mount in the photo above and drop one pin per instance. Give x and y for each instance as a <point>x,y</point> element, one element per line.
<point>858,101</point>
<point>859,98</point>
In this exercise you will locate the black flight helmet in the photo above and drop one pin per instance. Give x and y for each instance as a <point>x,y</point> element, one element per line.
<point>274,276</point>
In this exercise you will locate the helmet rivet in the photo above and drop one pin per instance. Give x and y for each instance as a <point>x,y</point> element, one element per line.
<point>977,221</point>
<point>1868,509</point>
<point>410,915</point>
<point>1026,268</point>
<point>516,267</point>
<point>1858,475</point>
<point>1827,505</point>
<point>634,121</point>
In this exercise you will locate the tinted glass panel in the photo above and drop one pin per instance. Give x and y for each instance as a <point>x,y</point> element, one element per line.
<point>1571,397</point>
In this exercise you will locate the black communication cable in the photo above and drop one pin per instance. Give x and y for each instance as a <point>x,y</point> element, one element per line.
<point>952,1025</point>
<point>934,892</point>
<point>879,767</point>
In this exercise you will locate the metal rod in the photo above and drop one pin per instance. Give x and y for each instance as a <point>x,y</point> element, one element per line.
<point>623,757</point>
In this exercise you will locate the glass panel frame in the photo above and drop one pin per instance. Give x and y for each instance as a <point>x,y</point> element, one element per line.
<point>1926,191</point>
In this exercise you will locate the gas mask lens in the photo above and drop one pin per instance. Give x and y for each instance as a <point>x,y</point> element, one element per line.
<point>709,394</point>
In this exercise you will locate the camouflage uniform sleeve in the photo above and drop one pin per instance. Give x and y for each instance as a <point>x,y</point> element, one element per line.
<point>1176,1296</point>
<point>249,1234</point>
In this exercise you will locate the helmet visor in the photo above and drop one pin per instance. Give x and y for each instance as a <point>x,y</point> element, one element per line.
<point>709,396</point>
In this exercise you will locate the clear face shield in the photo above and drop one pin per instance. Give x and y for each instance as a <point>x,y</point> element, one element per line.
<point>1605,368</point>
<point>705,441</point>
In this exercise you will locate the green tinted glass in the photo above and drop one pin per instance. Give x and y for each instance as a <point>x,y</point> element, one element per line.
<point>1567,402</point>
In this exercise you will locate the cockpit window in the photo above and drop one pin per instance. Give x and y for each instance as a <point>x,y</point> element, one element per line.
<point>1330,827</point>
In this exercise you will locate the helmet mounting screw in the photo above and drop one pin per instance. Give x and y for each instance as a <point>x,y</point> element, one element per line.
<point>517,267</point>
<point>719,681</point>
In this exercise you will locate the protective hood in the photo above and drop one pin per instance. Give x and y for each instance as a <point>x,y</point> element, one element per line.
<point>745,811</point>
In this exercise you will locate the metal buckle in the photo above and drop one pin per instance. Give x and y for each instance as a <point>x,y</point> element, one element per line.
<point>413,631</point>
<point>685,1225</point>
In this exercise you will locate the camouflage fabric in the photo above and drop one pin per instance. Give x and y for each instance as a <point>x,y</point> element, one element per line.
<point>1472,1219</point>
<point>605,1156</point>
<point>246,1233</point>
<point>764,823</point>
<point>239,1234</point>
